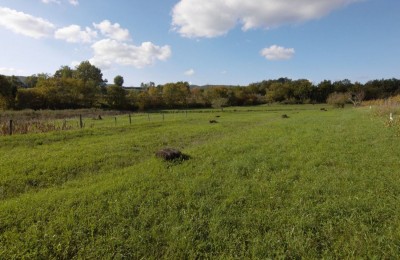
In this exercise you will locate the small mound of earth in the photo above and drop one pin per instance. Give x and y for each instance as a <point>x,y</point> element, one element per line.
<point>170,154</point>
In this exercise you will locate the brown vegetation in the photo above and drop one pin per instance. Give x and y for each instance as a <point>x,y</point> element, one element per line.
<point>170,154</point>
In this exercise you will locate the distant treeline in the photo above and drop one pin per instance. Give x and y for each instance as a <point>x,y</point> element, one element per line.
<point>84,87</point>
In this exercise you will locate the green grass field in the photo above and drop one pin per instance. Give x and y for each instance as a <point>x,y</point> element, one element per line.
<point>316,185</point>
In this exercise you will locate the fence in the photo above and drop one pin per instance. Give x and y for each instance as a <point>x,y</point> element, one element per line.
<point>21,126</point>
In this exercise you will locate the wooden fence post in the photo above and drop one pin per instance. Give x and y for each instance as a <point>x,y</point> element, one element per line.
<point>163,117</point>
<point>11,127</point>
<point>130,119</point>
<point>115,119</point>
<point>80,121</point>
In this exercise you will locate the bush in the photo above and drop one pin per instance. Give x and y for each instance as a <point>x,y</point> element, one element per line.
<point>338,99</point>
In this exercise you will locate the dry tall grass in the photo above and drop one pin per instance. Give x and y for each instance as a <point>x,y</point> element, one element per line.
<point>34,126</point>
<point>43,121</point>
<point>383,107</point>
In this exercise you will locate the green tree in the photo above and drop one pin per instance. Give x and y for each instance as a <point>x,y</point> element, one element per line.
<point>31,81</point>
<point>220,103</point>
<point>323,90</point>
<point>302,90</point>
<point>88,72</point>
<point>155,96</point>
<point>43,76</point>
<point>142,100</point>
<point>342,85</point>
<point>196,98</point>
<point>64,72</point>
<point>218,92</point>
<point>63,93</point>
<point>176,94</point>
<point>8,92</point>
<point>277,92</point>
<point>29,98</point>
<point>116,97</point>
<point>48,90</point>
<point>119,81</point>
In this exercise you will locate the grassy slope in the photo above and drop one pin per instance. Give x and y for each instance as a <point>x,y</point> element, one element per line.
<point>319,184</point>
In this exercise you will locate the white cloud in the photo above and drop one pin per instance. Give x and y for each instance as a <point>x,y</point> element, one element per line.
<point>9,71</point>
<point>211,18</point>
<point>113,31</point>
<point>51,1</point>
<point>74,2</point>
<point>25,24</point>
<point>108,52</point>
<point>74,34</point>
<point>276,52</point>
<point>189,72</point>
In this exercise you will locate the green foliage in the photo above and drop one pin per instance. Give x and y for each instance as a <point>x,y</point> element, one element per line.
<point>61,93</point>
<point>64,72</point>
<point>323,90</point>
<point>119,81</point>
<point>8,91</point>
<point>88,72</point>
<point>31,81</point>
<point>116,97</point>
<point>277,92</point>
<point>84,87</point>
<point>256,187</point>
<point>30,98</point>
<point>155,97</point>
<point>219,103</point>
<point>176,94</point>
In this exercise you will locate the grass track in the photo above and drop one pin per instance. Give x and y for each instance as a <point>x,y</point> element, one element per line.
<point>319,184</point>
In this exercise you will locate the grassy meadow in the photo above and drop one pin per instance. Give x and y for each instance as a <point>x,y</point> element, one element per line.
<point>319,184</point>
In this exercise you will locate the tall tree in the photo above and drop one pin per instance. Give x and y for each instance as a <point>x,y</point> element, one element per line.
<point>155,96</point>
<point>176,94</point>
<point>277,92</point>
<point>88,72</point>
<point>31,81</point>
<point>119,81</point>
<point>323,90</point>
<point>302,90</point>
<point>8,91</point>
<point>342,85</point>
<point>64,72</point>
<point>29,98</point>
<point>116,97</point>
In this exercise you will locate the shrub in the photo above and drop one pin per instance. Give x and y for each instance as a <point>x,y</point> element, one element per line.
<point>338,99</point>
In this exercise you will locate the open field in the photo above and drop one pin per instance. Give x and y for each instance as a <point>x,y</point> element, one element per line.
<point>319,184</point>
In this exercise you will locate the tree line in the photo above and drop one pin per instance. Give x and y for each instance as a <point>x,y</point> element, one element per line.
<point>84,87</point>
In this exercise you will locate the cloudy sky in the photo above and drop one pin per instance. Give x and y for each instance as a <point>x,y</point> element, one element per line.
<point>204,41</point>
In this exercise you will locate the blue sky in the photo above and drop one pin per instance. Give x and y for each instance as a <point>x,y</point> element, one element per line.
<point>204,41</point>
